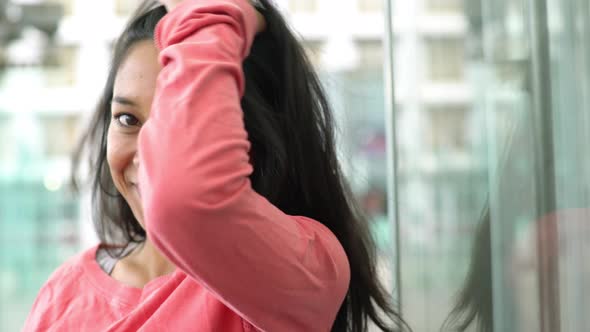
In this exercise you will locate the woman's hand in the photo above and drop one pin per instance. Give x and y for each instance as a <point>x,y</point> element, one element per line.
<point>171,4</point>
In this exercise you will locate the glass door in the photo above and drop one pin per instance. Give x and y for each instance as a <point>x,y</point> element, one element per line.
<point>489,132</point>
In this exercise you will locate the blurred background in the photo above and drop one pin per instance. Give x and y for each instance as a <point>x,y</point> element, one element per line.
<point>464,129</point>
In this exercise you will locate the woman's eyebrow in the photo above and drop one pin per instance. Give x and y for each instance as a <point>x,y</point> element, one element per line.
<point>123,101</point>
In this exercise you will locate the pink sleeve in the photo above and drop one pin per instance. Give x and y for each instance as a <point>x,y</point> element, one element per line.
<point>279,272</point>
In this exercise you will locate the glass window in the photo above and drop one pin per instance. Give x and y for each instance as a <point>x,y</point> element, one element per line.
<point>438,6</point>
<point>68,6</point>
<point>495,238</point>
<point>125,7</point>
<point>38,217</point>
<point>303,6</point>
<point>60,134</point>
<point>371,6</point>
<point>447,129</point>
<point>5,138</point>
<point>39,230</point>
<point>313,50</point>
<point>60,67</point>
<point>445,59</point>
<point>370,53</point>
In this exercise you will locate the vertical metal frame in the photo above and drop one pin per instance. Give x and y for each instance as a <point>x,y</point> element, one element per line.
<point>392,156</point>
<point>542,116</point>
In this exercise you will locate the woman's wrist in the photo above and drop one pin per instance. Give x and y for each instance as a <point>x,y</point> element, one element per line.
<point>260,24</point>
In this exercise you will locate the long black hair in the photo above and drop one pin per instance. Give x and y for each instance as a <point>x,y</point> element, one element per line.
<point>474,306</point>
<point>291,129</point>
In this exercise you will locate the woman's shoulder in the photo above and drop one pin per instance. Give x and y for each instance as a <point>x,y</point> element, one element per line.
<point>67,275</point>
<point>72,267</point>
<point>63,284</point>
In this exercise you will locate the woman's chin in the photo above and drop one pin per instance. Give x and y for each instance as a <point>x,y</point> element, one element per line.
<point>135,205</point>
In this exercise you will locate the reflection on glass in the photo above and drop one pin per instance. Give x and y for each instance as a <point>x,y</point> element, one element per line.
<point>124,7</point>
<point>452,6</point>
<point>308,6</point>
<point>371,6</point>
<point>493,199</point>
<point>445,59</point>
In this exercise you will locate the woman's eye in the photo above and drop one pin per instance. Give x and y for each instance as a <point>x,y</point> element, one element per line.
<point>126,120</point>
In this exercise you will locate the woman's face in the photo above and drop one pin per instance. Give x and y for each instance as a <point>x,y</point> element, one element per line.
<point>133,92</point>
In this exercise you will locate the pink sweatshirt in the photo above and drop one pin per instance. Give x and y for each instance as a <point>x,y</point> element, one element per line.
<point>242,264</point>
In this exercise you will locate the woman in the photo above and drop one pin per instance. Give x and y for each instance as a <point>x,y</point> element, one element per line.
<point>218,198</point>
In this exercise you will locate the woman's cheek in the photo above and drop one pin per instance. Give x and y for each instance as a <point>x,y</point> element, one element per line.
<point>119,154</point>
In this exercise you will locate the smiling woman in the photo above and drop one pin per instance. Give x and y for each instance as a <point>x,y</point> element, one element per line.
<point>133,92</point>
<point>217,190</point>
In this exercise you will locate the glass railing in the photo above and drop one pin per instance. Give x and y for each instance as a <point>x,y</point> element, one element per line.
<point>492,222</point>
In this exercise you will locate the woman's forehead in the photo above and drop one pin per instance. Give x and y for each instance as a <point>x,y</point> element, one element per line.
<point>137,74</point>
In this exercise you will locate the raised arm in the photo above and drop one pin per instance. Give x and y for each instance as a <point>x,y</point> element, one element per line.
<point>279,272</point>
